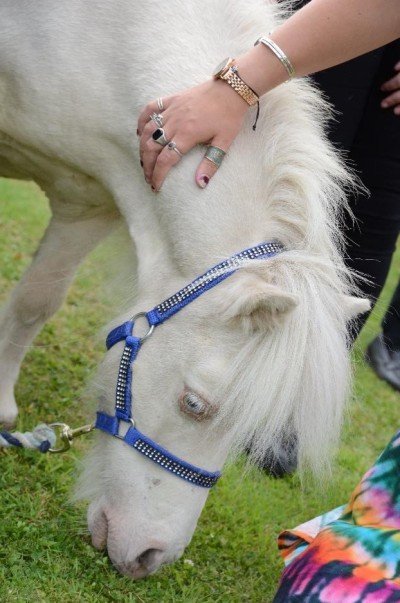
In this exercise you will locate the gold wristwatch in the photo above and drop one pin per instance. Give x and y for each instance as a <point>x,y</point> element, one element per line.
<point>228,71</point>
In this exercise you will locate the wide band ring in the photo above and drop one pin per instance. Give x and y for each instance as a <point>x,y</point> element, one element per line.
<point>160,104</point>
<point>215,155</point>
<point>159,137</point>
<point>172,147</point>
<point>157,118</point>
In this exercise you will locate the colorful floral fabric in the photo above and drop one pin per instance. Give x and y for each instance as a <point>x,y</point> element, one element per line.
<point>351,554</point>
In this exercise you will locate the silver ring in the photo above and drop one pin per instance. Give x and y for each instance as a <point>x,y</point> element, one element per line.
<point>215,155</point>
<point>172,147</point>
<point>160,104</point>
<point>159,137</point>
<point>157,118</point>
<point>149,330</point>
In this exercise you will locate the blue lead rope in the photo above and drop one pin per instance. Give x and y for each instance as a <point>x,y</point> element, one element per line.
<point>42,438</point>
<point>156,316</point>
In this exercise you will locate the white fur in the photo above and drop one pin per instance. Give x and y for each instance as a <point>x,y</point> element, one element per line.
<point>268,346</point>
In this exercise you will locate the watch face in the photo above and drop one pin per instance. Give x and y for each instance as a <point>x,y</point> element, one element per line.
<point>218,70</point>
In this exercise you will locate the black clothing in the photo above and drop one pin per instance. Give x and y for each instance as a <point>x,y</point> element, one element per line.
<point>371,137</point>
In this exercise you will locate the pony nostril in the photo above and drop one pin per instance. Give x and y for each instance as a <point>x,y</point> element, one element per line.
<point>146,563</point>
<point>149,559</point>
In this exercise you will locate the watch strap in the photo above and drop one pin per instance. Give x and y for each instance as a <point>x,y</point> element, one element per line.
<point>232,77</point>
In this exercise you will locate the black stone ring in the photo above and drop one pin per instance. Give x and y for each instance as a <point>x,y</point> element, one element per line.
<point>159,137</point>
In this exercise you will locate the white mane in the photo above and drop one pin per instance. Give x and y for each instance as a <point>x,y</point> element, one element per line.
<point>286,381</point>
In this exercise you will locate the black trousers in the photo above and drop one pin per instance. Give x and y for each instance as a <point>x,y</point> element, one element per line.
<point>370,136</point>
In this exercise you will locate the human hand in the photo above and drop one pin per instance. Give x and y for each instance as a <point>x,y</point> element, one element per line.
<point>210,113</point>
<point>392,86</point>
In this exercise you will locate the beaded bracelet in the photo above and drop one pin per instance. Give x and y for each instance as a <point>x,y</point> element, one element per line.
<point>278,52</point>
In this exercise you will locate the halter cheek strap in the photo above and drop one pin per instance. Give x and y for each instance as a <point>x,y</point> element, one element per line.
<point>123,398</point>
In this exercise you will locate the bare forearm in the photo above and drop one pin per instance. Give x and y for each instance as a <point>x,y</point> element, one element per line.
<point>333,31</point>
<point>322,34</point>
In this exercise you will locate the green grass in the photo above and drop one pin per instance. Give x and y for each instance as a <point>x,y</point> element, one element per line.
<point>45,553</point>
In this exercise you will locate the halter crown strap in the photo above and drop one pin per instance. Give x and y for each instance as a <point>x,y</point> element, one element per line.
<point>209,279</point>
<point>156,316</point>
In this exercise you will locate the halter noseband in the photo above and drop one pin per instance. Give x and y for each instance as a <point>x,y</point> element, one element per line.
<point>156,316</point>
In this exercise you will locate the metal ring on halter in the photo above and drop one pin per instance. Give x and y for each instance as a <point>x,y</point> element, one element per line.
<point>159,137</point>
<point>157,118</point>
<point>215,155</point>
<point>133,424</point>
<point>172,147</point>
<point>160,104</point>
<point>150,329</point>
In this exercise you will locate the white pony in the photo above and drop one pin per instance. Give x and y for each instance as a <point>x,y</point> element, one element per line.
<point>261,354</point>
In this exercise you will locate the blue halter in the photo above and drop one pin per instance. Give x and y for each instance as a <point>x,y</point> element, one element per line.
<point>156,316</point>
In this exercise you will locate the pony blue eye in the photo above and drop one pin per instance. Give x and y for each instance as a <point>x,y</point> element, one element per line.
<point>194,403</point>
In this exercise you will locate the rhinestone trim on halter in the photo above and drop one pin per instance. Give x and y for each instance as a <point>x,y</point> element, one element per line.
<point>177,468</point>
<point>225,268</point>
<point>123,378</point>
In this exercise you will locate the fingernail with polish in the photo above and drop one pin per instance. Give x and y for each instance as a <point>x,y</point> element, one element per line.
<point>137,132</point>
<point>203,180</point>
<point>141,163</point>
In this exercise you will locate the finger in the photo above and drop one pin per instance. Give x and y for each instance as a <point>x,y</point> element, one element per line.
<point>149,150</point>
<point>392,84</point>
<point>392,100</point>
<point>213,158</point>
<point>150,108</point>
<point>169,156</point>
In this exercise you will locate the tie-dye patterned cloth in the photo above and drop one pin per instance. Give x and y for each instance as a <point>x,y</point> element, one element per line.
<point>352,554</point>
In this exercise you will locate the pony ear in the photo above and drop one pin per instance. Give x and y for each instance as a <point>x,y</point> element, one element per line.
<point>253,303</point>
<point>353,306</point>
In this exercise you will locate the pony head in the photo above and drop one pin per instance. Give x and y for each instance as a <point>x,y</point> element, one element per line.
<point>258,357</point>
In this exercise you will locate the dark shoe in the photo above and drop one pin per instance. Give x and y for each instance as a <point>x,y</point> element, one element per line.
<point>385,362</point>
<point>283,462</point>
